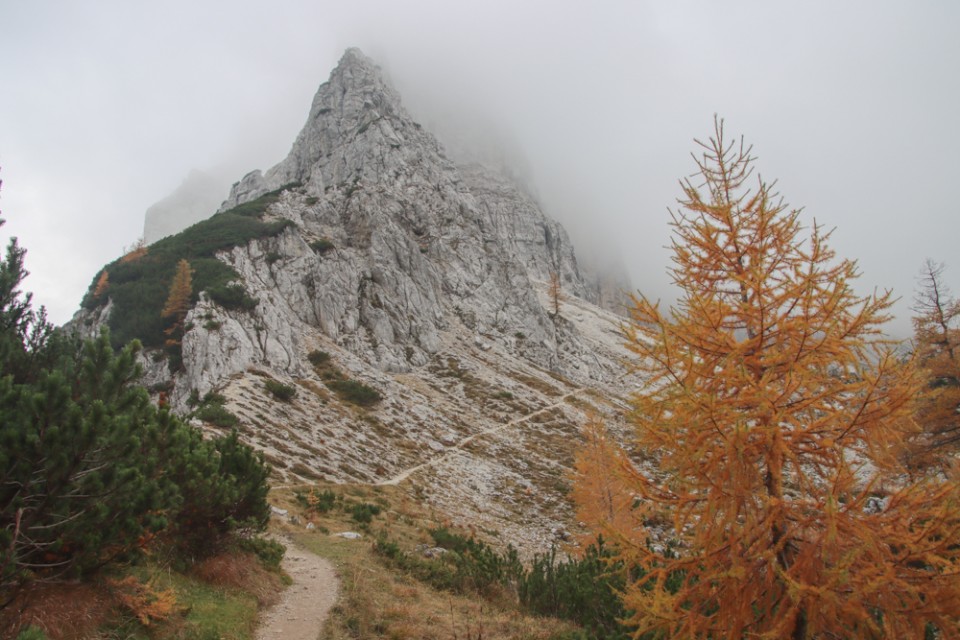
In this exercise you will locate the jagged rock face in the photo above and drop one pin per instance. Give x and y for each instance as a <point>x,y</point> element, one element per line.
<point>194,200</point>
<point>426,280</point>
<point>418,242</point>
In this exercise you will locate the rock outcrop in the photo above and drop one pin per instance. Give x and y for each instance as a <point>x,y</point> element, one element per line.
<point>404,244</point>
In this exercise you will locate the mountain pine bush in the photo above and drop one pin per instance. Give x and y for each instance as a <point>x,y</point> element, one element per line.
<point>139,286</point>
<point>90,470</point>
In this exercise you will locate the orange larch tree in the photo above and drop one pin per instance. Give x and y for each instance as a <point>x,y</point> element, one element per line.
<point>178,301</point>
<point>769,502</point>
<point>103,283</point>
<point>555,291</point>
<point>936,341</point>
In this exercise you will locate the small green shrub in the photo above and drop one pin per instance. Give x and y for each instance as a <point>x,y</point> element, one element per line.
<point>443,537</point>
<point>212,397</point>
<point>318,358</point>
<point>270,552</point>
<point>272,257</point>
<point>217,415</point>
<point>322,502</point>
<point>470,566</point>
<point>355,392</point>
<point>32,633</point>
<point>233,296</point>
<point>322,245</point>
<point>212,325</point>
<point>224,494</point>
<point>584,590</point>
<point>387,548</point>
<point>363,512</point>
<point>280,391</point>
<point>312,200</point>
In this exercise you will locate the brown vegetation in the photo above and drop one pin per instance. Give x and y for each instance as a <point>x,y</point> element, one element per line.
<point>178,301</point>
<point>243,572</point>
<point>774,411</point>
<point>62,611</point>
<point>937,347</point>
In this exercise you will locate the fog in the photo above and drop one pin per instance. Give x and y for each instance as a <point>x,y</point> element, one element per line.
<point>851,107</point>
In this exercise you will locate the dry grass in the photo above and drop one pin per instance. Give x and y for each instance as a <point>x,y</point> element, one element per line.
<point>243,572</point>
<point>380,601</point>
<point>536,384</point>
<point>62,611</point>
<point>315,389</point>
<point>220,598</point>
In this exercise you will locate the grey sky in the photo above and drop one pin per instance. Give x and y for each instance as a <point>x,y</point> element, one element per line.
<point>852,107</point>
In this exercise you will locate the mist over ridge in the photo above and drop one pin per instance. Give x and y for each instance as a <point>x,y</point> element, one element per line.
<point>850,108</point>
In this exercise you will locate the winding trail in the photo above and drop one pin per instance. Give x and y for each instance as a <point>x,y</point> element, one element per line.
<point>403,475</point>
<point>303,607</point>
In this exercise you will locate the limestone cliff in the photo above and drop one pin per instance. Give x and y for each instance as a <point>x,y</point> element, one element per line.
<point>410,244</point>
<point>418,277</point>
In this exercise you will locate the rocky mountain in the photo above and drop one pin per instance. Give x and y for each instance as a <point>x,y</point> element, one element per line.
<point>404,301</point>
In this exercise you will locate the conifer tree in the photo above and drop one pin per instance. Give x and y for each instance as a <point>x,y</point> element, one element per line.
<point>89,467</point>
<point>103,283</point>
<point>555,291</point>
<point>178,301</point>
<point>773,410</point>
<point>937,346</point>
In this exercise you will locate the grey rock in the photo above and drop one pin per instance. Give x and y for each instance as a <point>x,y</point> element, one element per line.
<point>430,285</point>
<point>430,552</point>
<point>349,535</point>
<point>418,246</point>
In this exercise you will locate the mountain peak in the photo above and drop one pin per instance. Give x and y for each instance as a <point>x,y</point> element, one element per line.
<point>357,72</point>
<point>356,115</point>
<point>353,56</point>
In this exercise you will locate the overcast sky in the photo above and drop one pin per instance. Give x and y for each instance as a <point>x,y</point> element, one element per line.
<point>853,107</point>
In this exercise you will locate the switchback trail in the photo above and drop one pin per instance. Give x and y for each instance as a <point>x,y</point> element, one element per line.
<point>303,607</point>
<point>403,475</point>
<point>301,612</point>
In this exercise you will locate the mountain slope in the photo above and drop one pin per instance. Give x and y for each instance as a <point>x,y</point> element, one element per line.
<point>392,267</point>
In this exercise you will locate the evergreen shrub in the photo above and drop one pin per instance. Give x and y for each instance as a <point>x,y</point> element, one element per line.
<point>280,391</point>
<point>355,392</point>
<point>138,287</point>
<point>321,246</point>
<point>90,470</point>
<point>318,358</point>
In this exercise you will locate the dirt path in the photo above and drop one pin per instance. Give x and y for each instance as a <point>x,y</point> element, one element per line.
<point>301,612</point>
<point>303,608</point>
<point>403,475</point>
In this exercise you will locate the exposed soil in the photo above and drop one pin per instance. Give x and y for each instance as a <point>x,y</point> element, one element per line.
<point>303,608</point>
